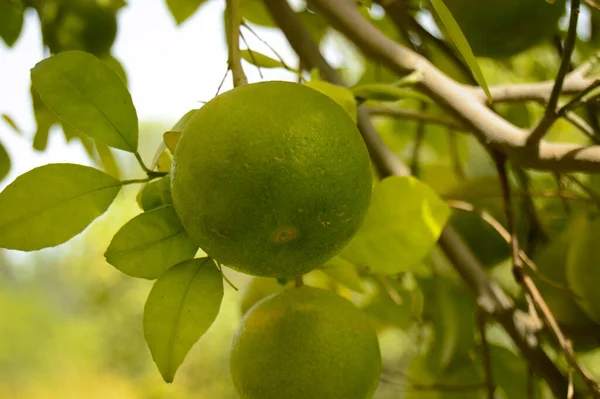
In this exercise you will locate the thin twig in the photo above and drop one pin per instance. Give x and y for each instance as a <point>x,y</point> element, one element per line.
<point>551,114</point>
<point>258,68</point>
<point>234,59</point>
<point>382,110</point>
<point>497,226</point>
<point>279,57</point>
<point>487,358</point>
<point>577,100</point>
<point>531,288</point>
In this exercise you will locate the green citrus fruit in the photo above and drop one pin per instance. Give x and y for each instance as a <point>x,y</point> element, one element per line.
<point>271,179</point>
<point>502,28</point>
<point>305,343</point>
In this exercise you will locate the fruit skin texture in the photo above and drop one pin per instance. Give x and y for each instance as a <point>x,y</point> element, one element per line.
<point>305,343</point>
<point>502,28</point>
<point>271,178</point>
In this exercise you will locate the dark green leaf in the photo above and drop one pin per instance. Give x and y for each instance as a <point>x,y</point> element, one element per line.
<point>11,20</point>
<point>452,310</point>
<point>88,95</point>
<point>4,162</point>
<point>582,269</point>
<point>49,205</point>
<point>255,11</point>
<point>183,9</point>
<point>402,225</point>
<point>150,243</point>
<point>181,307</point>
<point>461,43</point>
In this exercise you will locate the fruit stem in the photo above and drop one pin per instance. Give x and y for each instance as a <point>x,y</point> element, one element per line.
<point>233,20</point>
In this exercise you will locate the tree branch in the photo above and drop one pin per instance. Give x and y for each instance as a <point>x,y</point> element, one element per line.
<point>551,113</point>
<point>395,112</point>
<point>489,295</point>
<point>234,20</point>
<point>460,100</point>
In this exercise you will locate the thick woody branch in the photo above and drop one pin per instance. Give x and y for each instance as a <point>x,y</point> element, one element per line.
<point>491,129</point>
<point>489,295</point>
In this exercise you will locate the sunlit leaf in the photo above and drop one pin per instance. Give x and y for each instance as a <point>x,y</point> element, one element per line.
<point>402,225</point>
<point>261,60</point>
<point>183,9</point>
<point>171,139</point>
<point>88,95</point>
<point>150,243</point>
<point>341,95</point>
<point>345,272</point>
<point>4,162</point>
<point>49,205</point>
<point>11,20</point>
<point>108,160</point>
<point>181,307</point>
<point>461,43</point>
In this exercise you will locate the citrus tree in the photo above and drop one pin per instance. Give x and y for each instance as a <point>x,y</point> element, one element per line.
<point>445,188</point>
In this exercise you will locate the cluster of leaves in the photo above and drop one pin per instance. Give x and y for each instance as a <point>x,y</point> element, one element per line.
<point>87,95</point>
<point>86,25</point>
<point>390,268</point>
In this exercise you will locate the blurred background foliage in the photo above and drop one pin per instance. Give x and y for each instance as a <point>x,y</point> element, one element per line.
<point>71,325</point>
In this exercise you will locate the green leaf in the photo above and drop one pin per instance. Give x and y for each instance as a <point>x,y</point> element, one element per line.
<point>171,139</point>
<point>88,95</point>
<point>452,310</point>
<point>4,162</point>
<point>183,9</point>
<point>345,272</point>
<point>155,194</point>
<point>181,307</point>
<point>254,11</point>
<point>341,95</point>
<point>108,160</point>
<point>11,20</point>
<point>150,243</point>
<point>261,60</point>
<point>402,225</point>
<point>459,39</point>
<point>384,92</point>
<point>49,205</point>
<point>44,119</point>
<point>582,269</point>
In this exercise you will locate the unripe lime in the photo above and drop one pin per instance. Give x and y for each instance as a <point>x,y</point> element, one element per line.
<point>305,343</point>
<point>502,28</point>
<point>271,178</point>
